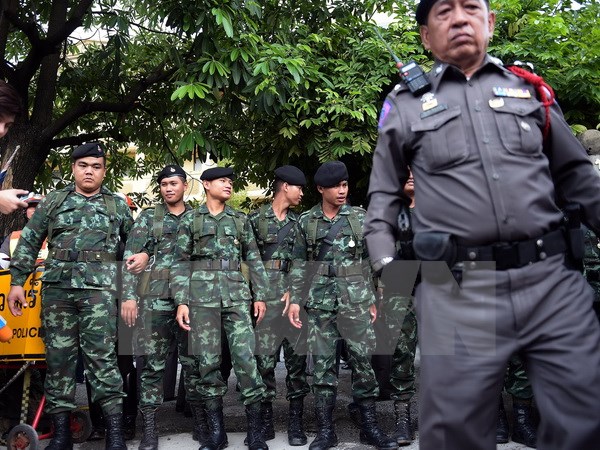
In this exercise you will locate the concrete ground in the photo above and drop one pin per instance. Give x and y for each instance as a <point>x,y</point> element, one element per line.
<point>175,428</point>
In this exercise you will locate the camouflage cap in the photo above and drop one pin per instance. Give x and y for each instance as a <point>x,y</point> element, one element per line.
<point>217,172</point>
<point>172,170</point>
<point>291,175</point>
<point>89,149</point>
<point>331,173</point>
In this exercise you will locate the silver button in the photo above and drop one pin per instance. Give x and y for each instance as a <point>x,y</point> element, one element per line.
<point>525,126</point>
<point>486,140</point>
<point>543,255</point>
<point>438,69</point>
<point>472,265</point>
<point>472,255</point>
<point>496,176</point>
<point>478,108</point>
<point>539,243</point>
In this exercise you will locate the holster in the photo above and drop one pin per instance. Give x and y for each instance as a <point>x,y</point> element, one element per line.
<point>435,246</point>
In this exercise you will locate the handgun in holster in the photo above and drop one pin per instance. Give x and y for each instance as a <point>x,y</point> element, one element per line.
<point>405,235</point>
<point>574,234</point>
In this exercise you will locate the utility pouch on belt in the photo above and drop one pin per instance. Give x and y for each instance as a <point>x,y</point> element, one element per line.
<point>435,246</point>
<point>143,286</point>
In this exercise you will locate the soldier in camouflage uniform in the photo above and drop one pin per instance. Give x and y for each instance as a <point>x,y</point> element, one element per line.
<point>154,233</point>
<point>210,290</point>
<point>274,227</point>
<point>398,314</point>
<point>84,224</point>
<point>331,279</point>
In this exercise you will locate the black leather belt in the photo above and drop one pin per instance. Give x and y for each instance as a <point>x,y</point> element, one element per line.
<point>81,256</point>
<point>216,264</point>
<point>277,264</point>
<point>511,255</point>
<point>329,270</point>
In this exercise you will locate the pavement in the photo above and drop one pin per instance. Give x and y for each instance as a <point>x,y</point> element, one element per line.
<point>175,429</point>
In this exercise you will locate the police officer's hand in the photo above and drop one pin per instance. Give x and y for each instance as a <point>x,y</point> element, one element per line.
<point>286,300</point>
<point>260,308</point>
<point>373,312</point>
<point>183,317</point>
<point>294,315</point>
<point>16,300</point>
<point>129,312</point>
<point>10,201</point>
<point>137,263</point>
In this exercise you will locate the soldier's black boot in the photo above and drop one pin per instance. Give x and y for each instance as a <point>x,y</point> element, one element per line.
<point>354,413</point>
<point>255,438</point>
<point>524,424</point>
<point>216,438</point>
<point>403,432</point>
<point>268,429</point>
<point>200,429</point>
<point>114,439</point>
<point>129,427</point>
<point>296,435</point>
<point>149,435</point>
<point>326,437</point>
<point>61,437</point>
<point>370,433</point>
<point>502,424</point>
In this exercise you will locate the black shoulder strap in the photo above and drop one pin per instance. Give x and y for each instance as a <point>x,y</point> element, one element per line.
<point>281,235</point>
<point>328,241</point>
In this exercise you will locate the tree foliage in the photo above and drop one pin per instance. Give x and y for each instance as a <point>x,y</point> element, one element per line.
<point>258,82</point>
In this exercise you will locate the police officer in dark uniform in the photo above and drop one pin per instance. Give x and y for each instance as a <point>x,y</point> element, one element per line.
<point>495,167</point>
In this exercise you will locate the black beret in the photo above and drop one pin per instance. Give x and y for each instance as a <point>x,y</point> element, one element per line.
<point>217,172</point>
<point>89,149</point>
<point>424,7</point>
<point>331,173</point>
<point>172,170</point>
<point>291,175</point>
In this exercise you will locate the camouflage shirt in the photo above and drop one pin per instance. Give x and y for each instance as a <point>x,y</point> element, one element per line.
<point>80,228</point>
<point>266,232</point>
<point>226,237</point>
<point>349,279</point>
<point>591,261</point>
<point>144,238</point>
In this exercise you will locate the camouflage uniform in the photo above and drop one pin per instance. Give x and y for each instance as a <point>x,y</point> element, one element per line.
<point>213,286</point>
<point>336,294</point>
<point>157,328</point>
<point>275,330</point>
<point>79,306</point>
<point>591,264</point>
<point>516,382</point>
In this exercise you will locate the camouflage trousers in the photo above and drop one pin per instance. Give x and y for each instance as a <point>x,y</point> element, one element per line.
<point>200,354</point>
<point>397,318</point>
<point>86,319</point>
<point>325,329</point>
<point>158,330</point>
<point>271,333</point>
<point>516,382</point>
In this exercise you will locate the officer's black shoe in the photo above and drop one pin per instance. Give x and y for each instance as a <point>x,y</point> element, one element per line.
<point>403,432</point>
<point>296,435</point>
<point>326,437</point>
<point>524,423</point>
<point>216,438</point>
<point>149,435</point>
<point>61,437</point>
<point>129,427</point>
<point>114,432</point>
<point>354,413</point>
<point>200,429</point>
<point>502,424</point>
<point>255,438</point>
<point>370,433</point>
<point>268,429</point>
